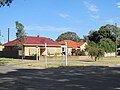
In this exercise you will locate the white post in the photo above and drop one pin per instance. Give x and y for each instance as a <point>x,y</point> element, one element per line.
<point>66,61</point>
<point>46,54</point>
<point>36,52</point>
<point>39,53</point>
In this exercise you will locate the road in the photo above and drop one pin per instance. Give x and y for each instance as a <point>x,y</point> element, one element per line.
<point>62,78</point>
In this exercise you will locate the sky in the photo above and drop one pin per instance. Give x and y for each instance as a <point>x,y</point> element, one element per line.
<point>50,18</point>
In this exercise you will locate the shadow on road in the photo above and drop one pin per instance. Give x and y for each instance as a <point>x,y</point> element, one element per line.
<point>62,78</point>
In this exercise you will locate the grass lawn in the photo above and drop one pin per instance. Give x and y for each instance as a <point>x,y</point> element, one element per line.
<point>8,61</point>
<point>72,61</point>
<point>108,61</point>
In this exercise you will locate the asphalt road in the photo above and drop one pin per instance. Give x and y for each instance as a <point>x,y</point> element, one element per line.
<point>62,78</point>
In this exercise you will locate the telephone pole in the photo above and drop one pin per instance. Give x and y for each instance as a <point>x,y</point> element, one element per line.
<point>8,34</point>
<point>0,37</point>
<point>115,39</point>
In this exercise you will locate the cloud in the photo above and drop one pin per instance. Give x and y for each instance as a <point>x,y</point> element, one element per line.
<point>118,5</point>
<point>109,21</point>
<point>95,16</point>
<point>118,18</point>
<point>91,7</point>
<point>48,28</point>
<point>63,15</point>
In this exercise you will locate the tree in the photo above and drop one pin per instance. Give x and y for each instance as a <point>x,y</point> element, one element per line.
<point>20,30</point>
<point>94,51</point>
<point>68,36</point>
<point>107,44</point>
<point>103,40</point>
<point>107,31</point>
<point>97,50</point>
<point>0,43</point>
<point>96,36</point>
<point>111,32</point>
<point>5,2</point>
<point>21,36</point>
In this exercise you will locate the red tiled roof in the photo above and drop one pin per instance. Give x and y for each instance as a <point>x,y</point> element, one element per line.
<point>72,44</point>
<point>32,40</point>
<point>80,43</point>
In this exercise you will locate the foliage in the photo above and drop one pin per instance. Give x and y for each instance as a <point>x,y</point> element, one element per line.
<point>20,30</point>
<point>98,35</point>
<point>68,36</point>
<point>119,43</point>
<point>0,43</point>
<point>94,51</point>
<point>80,53</point>
<point>107,44</point>
<point>21,36</point>
<point>115,30</point>
<point>5,2</point>
<point>97,50</point>
<point>107,31</point>
<point>118,37</point>
<point>106,37</point>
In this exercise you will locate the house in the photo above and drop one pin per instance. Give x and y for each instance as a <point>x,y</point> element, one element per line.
<point>74,46</point>
<point>81,45</point>
<point>1,48</point>
<point>30,46</point>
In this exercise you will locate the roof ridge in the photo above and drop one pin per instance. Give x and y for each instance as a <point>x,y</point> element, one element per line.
<point>33,40</point>
<point>35,36</point>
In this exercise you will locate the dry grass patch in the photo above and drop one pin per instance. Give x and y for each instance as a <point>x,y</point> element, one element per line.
<point>72,61</point>
<point>109,61</point>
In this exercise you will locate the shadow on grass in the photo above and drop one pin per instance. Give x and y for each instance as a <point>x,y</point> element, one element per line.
<point>62,78</point>
<point>2,63</point>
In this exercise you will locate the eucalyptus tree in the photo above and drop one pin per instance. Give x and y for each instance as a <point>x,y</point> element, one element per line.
<point>5,2</point>
<point>21,36</point>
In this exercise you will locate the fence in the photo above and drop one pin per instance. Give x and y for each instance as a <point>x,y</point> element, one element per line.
<point>9,54</point>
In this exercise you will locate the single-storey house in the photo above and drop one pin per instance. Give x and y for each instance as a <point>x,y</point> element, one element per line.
<point>1,48</point>
<point>72,45</point>
<point>30,45</point>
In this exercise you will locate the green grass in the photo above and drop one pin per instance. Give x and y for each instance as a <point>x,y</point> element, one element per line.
<point>109,61</point>
<point>72,61</point>
<point>9,61</point>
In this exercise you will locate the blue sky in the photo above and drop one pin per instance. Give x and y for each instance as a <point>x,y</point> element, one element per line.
<point>50,18</point>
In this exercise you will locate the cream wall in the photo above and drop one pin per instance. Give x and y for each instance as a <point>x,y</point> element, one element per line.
<point>69,51</point>
<point>53,51</point>
<point>82,47</point>
<point>109,54</point>
<point>1,48</point>
<point>30,51</point>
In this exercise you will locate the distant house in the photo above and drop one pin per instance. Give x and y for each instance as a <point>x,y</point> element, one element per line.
<point>30,45</point>
<point>118,51</point>
<point>72,45</point>
<point>1,48</point>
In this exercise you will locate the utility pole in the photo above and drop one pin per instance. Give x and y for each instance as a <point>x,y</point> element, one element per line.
<point>8,34</point>
<point>115,39</point>
<point>37,53</point>
<point>66,54</point>
<point>46,55</point>
<point>0,37</point>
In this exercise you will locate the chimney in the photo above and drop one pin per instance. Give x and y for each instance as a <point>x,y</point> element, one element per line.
<point>38,35</point>
<point>8,34</point>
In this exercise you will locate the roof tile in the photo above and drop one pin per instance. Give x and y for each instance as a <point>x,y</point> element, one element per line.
<point>71,43</point>
<point>33,40</point>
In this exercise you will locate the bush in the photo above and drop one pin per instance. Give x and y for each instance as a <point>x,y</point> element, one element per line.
<point>95,51</point>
